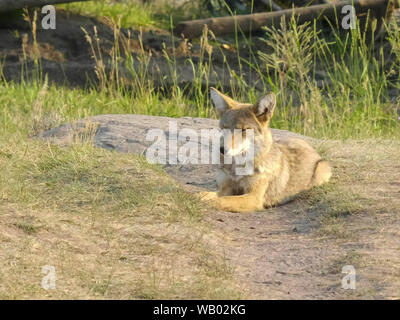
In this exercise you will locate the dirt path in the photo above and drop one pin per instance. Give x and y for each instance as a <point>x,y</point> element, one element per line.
<point>296,251</point>
<point>280,255</point>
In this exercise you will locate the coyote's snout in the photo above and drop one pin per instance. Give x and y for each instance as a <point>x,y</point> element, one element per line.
<point>281,169</point>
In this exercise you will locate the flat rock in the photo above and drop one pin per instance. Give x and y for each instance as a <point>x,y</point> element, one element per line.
<point>127,133</point>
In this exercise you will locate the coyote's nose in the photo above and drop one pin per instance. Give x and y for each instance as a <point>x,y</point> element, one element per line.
<point>222,150</point>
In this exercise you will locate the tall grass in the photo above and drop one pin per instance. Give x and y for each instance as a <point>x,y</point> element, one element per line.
<point>335,87</point>
<point>338,88</point>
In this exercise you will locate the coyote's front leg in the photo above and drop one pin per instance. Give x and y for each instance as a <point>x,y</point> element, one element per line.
<point>248,202</point>
<point>244,203</point>
<point>225,189</point>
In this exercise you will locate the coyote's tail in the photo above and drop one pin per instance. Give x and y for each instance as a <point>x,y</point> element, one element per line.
<point>322,172</point>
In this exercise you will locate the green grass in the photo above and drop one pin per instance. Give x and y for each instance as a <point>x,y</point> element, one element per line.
<point>75,180</point>
<point>135,13</point>
<point>352,101</point>
<point>29,108</point>
<point>131,13</point>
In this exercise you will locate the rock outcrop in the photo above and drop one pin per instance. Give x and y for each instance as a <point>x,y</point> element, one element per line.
<point>127,133</point>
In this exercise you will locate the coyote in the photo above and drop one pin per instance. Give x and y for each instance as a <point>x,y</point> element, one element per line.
<point>281,168</point>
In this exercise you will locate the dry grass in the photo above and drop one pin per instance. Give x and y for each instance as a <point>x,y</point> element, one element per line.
<point>114,226</point>
<point>111,225</point>
<point>360,211</point>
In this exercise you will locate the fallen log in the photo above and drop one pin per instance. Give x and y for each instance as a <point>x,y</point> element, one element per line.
<point>254,22</point>
<point>11,5</point>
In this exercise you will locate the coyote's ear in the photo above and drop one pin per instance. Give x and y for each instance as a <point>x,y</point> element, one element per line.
<point>221,102</point>
<point>264,108</point>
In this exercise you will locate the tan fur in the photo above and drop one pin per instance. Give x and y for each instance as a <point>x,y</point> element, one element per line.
<point>281,169</point>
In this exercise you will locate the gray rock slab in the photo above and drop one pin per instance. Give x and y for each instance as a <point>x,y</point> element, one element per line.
<point>127,133</point>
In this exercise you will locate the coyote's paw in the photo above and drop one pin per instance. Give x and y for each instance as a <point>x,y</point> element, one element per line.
<point>207,196</point>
